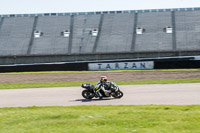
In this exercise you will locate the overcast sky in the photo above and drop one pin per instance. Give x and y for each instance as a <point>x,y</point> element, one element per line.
<point>56,6</point>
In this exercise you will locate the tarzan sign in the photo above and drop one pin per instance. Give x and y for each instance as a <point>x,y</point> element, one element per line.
<point>121,66</point>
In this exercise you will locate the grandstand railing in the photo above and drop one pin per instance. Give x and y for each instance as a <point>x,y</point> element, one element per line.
<point>100,12</point>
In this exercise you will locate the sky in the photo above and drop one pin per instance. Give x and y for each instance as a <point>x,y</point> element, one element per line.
<point>63,6</point>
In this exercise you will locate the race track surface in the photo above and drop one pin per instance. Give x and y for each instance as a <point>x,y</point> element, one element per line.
<point>162,94</point>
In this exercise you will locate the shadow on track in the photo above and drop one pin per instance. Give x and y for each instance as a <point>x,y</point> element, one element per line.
<point>90,100</point>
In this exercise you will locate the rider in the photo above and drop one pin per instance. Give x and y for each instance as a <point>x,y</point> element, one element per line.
<point>100,86</point>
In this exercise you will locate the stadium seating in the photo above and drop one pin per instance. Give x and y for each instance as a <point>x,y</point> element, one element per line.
<point>15,35</point>
<point>154,38</point>
<point>116,33</point>
<point>52,40</point>
<point>83,41</point>
<point>188,30</point>
<point>100,32</point>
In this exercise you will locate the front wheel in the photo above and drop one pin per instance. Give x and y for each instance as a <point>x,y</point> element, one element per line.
<point>118,94</point>
<point>87,94</point>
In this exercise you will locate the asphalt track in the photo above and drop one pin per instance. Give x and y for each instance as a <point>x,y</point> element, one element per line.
<point>159,94</point>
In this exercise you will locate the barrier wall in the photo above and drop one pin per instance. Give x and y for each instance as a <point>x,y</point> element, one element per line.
<point>45,67</point>
<point>175,63</point>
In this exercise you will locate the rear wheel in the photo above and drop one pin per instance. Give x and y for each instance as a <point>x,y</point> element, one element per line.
<point>87,94</point>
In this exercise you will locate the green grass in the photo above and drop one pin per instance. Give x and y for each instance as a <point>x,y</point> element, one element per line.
<point>101,119</point>
<point>51,72</point>
<point>71,84</point>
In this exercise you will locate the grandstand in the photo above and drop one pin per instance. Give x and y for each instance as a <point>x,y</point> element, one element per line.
<point>106,35</point>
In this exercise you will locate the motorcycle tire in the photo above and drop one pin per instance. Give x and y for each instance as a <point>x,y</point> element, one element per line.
<point>118,94</point>
<point>87,94</point>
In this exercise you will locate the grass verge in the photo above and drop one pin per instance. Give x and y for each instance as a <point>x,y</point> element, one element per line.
<point>71,84</point>
<point>101,119</point>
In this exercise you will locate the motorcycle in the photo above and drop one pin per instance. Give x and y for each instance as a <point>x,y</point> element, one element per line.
<point>111,91</point>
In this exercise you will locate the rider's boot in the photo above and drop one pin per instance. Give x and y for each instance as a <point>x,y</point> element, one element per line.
<point>99,95</point>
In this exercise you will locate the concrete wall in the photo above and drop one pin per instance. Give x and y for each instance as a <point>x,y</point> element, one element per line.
<point>10,60</point>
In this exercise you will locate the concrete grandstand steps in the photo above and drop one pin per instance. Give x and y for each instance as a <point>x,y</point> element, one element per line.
<point>15,35</point>
<point>116,33</point>
<point>83,41</point>
<point>52,41</point>
<point>1,22</point>
<point>99,34</point>
<point>32,35</point>
<point>154,38</point>
<point>188,30</point>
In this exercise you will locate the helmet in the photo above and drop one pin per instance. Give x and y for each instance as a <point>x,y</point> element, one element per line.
<point>104,79</point>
